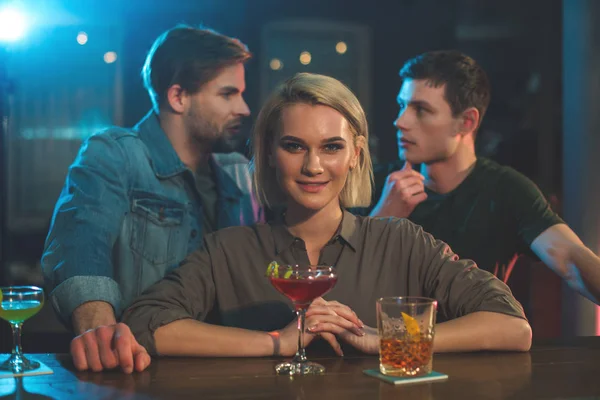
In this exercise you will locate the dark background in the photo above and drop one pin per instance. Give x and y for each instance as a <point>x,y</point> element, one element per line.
<point>517,42</point>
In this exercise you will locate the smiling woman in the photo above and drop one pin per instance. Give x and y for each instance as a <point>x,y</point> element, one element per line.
<point>316,124</point>
<point>314,155</point>
<point>310,157</point>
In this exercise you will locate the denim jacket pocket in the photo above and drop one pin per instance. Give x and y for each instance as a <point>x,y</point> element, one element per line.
<point>157,228</point>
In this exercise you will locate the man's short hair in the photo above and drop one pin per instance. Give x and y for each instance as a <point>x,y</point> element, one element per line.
<point>466,83</point>
<point>189,57</point>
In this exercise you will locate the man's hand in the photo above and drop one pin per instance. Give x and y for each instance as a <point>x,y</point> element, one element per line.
<point>403,191</point>
<point>92,314</point>
<point>564,252</point>
<point>108,347</point>
<point>326,319</point>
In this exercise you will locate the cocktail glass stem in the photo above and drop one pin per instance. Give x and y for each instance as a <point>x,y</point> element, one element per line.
<point>16,331</point>
<point>300,356</point>
<point>17,361</point>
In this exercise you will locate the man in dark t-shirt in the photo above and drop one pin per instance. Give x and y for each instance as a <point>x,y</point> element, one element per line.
<point>484,211</point>
<point>491,217</point>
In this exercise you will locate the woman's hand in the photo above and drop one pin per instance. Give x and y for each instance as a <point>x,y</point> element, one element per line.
<point>368,343</point>
<point>326,319</point>
<point>365,339</point>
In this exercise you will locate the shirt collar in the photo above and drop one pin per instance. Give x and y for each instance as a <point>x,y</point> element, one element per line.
<point>227,185</point>
<point>348,231</point>
<point>165,161</point>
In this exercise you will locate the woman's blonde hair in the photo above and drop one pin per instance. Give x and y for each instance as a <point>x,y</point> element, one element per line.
<point>312,89</point>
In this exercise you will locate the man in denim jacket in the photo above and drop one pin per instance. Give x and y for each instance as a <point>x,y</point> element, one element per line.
<point>137,201</point>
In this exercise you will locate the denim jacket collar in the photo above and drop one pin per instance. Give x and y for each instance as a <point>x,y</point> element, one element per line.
<point>165,161</point>
<point>227,185</point>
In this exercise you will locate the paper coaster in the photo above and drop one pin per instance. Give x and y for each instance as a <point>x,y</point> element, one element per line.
<point>42,370</point>
<point>397,380</point>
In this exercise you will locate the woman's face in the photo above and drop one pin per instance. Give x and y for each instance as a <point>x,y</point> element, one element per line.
<point>312,155</point>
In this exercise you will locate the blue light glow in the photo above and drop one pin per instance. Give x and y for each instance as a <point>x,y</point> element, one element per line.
<point>13,24</point>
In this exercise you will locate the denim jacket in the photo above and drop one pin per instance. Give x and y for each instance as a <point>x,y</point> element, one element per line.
<point>129,212</point>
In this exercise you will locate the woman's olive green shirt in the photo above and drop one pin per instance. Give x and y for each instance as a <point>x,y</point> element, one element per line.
<point>225,283</point>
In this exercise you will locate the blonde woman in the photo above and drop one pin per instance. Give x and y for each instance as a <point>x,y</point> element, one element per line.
<point>310,157</point>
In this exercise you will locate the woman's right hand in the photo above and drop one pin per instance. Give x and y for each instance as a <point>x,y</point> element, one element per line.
<point>329,318</point>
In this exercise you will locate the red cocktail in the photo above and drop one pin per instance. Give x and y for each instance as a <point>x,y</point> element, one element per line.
<point>301,284</point>
<point>303,291</point>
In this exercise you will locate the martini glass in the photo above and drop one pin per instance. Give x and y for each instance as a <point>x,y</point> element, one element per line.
<point>18,304</point>
<point>302,284</point>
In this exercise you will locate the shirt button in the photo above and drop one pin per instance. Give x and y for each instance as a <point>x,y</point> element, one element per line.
<point>194,233</point>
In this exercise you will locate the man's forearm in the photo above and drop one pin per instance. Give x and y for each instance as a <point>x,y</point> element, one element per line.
<point>91,315</point>
<point>483,331</point>
<point>187,337</point>
<point>564,252</point>
<point>587,278</point>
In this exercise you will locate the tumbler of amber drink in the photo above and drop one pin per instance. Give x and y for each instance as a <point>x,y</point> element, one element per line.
<point>406,326</point>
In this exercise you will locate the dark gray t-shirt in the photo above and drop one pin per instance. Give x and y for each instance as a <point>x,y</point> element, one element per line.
<point>207,190</point>
<point>491,217</point>
<point>375,257</point>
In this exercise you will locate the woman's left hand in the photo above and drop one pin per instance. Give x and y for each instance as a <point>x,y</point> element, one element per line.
<point>369,343</point>
<point>366,342</point>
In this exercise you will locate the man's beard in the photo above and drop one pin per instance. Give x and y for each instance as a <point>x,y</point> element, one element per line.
<point>219,140</point>
<point>226,143</point>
